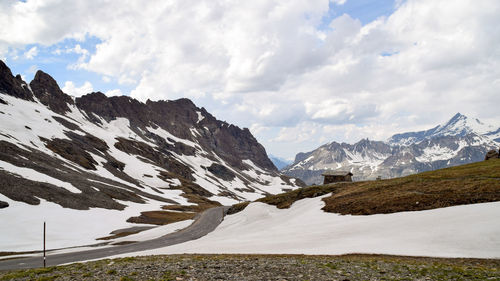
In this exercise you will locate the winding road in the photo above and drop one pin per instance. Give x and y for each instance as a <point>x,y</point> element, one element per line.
<point>204,224</point>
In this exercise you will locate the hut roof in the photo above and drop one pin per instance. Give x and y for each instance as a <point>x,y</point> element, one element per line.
<point>337,173</point>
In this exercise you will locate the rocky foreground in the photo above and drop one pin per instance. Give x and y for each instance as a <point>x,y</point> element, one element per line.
<point>267,267</point>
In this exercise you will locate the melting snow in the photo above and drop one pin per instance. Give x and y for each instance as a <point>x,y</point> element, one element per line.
<point>33,175</point>
<point>460,231</point>
<point>200,116</point>
<point>65,227</point>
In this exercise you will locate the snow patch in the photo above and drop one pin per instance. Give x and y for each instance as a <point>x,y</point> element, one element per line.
<point>460,231</point>
<point>200,116</point>
<point>24,232</point>
<point>33,175</point>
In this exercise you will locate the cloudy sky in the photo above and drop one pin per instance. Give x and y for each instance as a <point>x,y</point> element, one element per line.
<point>297,73</point>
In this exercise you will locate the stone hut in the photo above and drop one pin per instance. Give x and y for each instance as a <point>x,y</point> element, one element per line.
<point>336,176</point>
<point>492,154</point>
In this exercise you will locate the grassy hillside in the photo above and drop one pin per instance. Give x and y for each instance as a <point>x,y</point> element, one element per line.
<point>467,184</point>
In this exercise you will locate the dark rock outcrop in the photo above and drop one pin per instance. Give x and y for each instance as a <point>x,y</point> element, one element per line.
<point>71,151</point>
<point>492,154</point>
<point>178,117</point>
<point>48,92</point>
<point>221,172</point>
<point>14,86</point>
<point>3,204</point>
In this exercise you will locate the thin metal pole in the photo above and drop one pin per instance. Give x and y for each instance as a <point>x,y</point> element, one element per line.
<point>44,263</point>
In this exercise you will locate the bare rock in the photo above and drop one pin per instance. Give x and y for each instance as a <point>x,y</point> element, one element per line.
<point>221,172</point>
<point>48,92</point>
<point>3,204</point>
<point>13,86</point>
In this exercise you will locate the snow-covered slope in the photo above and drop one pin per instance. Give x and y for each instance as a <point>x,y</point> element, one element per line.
<point>459,231</point>
<point>461,140</point>
<point>115,157</point>
<point>458,125</point>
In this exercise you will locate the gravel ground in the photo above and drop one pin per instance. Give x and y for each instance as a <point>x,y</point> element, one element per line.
<point>267,267</point>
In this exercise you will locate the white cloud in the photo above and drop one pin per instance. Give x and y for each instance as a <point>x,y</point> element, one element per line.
<point>32,69</point>
<point>295,134</point>
<point>339,2</point>
<point>265,62</point>
<point>112,93</point>
<point>71,89</point>
<point>31,53</point>
<point>84,54</point>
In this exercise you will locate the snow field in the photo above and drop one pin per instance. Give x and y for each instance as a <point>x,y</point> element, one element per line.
<point>461,231</point>
<point>22,224</point>
<point>19,113</point>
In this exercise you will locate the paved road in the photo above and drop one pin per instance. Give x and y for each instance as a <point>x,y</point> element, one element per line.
<point>203,225</point>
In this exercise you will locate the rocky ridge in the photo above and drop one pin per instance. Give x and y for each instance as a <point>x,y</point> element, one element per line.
<point>108,151</point>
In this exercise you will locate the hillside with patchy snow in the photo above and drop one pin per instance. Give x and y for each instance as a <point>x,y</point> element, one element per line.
<point>88,164</point>
<point>461,140</point>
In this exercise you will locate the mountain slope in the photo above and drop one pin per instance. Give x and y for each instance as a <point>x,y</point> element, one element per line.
<point>120,154</point>
<point>460,140</point>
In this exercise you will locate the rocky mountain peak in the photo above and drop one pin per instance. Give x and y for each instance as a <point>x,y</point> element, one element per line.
<point>458,125</point>
<point>14,86</point>
<point>458,141</point>
<point>462,125</point>
<point>45,88</point>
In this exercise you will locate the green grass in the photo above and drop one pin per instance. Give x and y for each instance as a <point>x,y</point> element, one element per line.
<point>32,273</point>
<point>111,272</point>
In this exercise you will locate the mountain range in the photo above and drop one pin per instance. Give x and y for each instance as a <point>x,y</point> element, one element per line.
<point>461,140</point>
<point>105,152</point>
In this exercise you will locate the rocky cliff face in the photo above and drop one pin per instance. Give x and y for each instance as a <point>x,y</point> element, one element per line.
<point>15,86</point>
<point>461,140</point>
<point>100,152</point>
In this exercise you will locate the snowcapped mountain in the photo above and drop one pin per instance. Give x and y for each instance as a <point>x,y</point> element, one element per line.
<point>458,125</point>
<point>460,140</point>
<point>116,153</point>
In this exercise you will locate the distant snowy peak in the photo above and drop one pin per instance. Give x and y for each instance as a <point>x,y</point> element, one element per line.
<point>460,140</point>
<point>458,125</point>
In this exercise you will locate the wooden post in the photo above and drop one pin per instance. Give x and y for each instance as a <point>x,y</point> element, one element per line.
<point>44,263</point>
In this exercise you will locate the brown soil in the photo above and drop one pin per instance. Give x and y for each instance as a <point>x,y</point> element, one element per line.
<point>161,217</point>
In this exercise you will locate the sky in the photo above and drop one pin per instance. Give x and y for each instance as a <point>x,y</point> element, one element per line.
<point>297,73</point>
